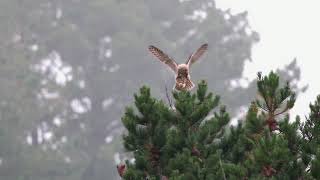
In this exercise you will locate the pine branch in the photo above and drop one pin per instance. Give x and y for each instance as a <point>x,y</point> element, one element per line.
<point>168,98</point>
<point>224,175</point>
<point>281,112</point>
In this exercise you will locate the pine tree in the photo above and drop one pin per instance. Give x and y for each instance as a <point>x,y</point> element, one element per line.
<point>311,140</point>
<point>192,139</point>
<point>177,143</point>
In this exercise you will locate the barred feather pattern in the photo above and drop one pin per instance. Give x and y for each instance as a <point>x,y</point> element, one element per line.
<point>163,57</point>
<point>183,81</point>
<point>183,84</point>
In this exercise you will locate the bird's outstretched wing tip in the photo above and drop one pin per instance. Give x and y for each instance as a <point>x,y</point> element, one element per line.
<point>205,45</point>
<point>197,54</point>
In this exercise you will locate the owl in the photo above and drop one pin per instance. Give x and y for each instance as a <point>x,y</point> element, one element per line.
<point>182,71</point>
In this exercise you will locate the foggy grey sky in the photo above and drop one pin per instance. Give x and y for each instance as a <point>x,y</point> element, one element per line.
<point>287,29</point>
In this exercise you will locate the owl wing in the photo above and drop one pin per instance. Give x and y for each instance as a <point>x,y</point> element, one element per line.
<point>164,58</point>
<point>196,55</point>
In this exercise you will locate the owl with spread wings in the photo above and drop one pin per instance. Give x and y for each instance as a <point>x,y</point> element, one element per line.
<point>182,71</point>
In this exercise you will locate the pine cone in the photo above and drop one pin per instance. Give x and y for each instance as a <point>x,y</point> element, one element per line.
<point>195,152</point>
<point>268,171</point>
<point>272,124</point>
<point>164,178</point>
<point>121,168</point>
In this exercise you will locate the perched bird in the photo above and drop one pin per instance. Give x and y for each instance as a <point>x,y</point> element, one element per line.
<point>182,71</point>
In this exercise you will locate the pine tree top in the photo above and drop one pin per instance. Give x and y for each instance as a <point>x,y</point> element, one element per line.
<point>192,138</point>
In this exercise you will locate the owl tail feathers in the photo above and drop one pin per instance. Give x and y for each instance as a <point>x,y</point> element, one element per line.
<point>184,86</point>
<point>189,85</point>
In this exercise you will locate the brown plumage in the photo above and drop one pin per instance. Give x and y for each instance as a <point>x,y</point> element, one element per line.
<point>182,71</point>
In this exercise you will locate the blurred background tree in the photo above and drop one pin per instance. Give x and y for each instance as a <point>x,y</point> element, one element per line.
<point>68,68</point>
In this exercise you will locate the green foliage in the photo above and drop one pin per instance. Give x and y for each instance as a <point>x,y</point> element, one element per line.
<point>311,127</point>
<point>191,141</point>
<point>273,96</point>
<point>315,166</point>
<point>310,130</point>
<point>180,142</point>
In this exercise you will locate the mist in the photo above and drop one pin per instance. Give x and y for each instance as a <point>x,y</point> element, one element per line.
<point>70,68</point>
